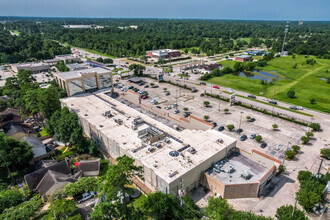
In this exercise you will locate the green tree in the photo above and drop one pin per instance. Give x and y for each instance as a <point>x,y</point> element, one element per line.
<point>137,68</point>
<point>218,209</point>
<point>304,140</point>
<point>14,154</point>
<point>325,153</point>
<point>162,206</point>
<point>25,210</point>
<point>61,66</point>
<point>48,100</point>
<point>315,126</point>
<point>113,210</point>
<point>117,178</point>
<point>310,194</point>
<point>291,94</point>
<point>295,148</point>
<point>230,127</point>
<point>62,209</point>
<point>226,110</point>
<point>290,154</point>
<point>10,198</point>
<point>249,66</point>
<point>107,61</point>
<point>258,138</point>
<point>274,126</point>
<point>206,117</point>
<point>206,103</point>
<point>309,134</point>
<point>287,212</point>
<point>248,118</point>
<point>84,184</point>
<point>185,109</point>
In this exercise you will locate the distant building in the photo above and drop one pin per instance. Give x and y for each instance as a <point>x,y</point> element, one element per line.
<point>164,53</point>
<point>301,22</point>
<point>68,58</point>
<point>34,67</point>
<point>76,66</point>
<point>83,26</point>
<point>255,52</point>
<point>86,80</point>
<point>243,58</point>
<point>211,67</point>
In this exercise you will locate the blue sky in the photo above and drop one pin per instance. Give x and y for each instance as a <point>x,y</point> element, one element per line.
<point>204,9</point>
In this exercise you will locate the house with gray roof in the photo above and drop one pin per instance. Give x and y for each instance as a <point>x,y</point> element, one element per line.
<point>89,167</point>
<point>40,151</point>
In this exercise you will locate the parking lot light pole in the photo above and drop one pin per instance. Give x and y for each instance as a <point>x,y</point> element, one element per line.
<point>240,120</point>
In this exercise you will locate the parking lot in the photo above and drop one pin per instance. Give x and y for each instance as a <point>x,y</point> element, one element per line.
<point>277,141</point>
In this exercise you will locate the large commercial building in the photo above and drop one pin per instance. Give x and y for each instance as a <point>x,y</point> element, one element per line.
<point>243,58</point>
<point>34,67</point>
<point>164,53</point>
<point>168,156</point>
<point>85,80</point>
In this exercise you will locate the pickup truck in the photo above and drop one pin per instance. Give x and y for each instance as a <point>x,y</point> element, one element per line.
<point>85,197</point>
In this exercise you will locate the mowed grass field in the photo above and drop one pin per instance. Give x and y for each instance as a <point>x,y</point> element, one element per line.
<point>305,81</point>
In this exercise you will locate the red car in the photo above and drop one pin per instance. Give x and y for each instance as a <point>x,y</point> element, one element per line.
<point>216,87</point>
<point>144,97</point>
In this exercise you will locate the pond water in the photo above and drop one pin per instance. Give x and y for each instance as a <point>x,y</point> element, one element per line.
<point>325,79</point>
<point>260,75</point>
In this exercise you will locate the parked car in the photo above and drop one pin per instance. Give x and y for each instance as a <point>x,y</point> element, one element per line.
<point>293,107</point>
<point>252,119</point>
<point>167,93</point>
<point>202,83</point>
<point>176,111</point>
<point>131,87</point>
<point>252,96</point>
<point>243,137</point>
<point>214,124</point>
<point>186,114</point>
<point>230,90</point>
<point>216,87</point>
<point>85,197</point>
<point>144,97</point>
<point>221,128</point>
<point>168,107</point>
<point>240,130</point>
<point>155,65</point>
<point>300,108</point>
<point>194,90</point>
<point>253,136</point>
<point>273,102</point>
<point>146,86</point>
<point>29,120</point>
<point>263,145</point>
<point>158,107</point>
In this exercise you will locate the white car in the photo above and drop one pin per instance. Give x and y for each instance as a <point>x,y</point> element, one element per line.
<point>300,108</point>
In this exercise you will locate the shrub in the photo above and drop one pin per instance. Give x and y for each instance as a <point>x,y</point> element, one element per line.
<point>275,126</point>
<point>295,148</point>
<point>290,154</point>
<point>325,153</point>
<point>315,126</point>
<point>206,117</point>
<point>281,168</point>
<point>291,94</point>
<point>248,118</point>
<point>185,109</point>
<point>304,139</point>
<point>206,103</point>
<point>312,101</point>
<point>230,127</point>
<point>226,110</point>
<point>309,134</point>
<point>258,138</point>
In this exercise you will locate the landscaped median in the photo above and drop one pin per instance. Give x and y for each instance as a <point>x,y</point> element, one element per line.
<point>277,106</point>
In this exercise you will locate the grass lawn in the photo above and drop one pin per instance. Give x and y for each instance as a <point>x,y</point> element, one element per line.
<point>60,152</point>
<point>305,81</point>
<point>43,133</point>
<point>138,202</point>
<point>184,75</point>
<point>98,53</point>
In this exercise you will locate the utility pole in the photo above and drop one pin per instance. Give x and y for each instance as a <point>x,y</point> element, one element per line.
<point>286,30</point>
<point>318,172</point>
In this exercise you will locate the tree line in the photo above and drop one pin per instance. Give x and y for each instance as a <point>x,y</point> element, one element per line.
<point>209,36</point>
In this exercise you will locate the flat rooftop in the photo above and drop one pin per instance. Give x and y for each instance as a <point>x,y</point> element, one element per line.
<point>240,164</point>
<point>78,73</point>
<point>31,65</point>
<point>163,50</point>
<point>91,107</point>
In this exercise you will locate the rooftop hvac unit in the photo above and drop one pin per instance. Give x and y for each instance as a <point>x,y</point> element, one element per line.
<point>192,150</point>
<point>246,175</point>
<point>151,149</point>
